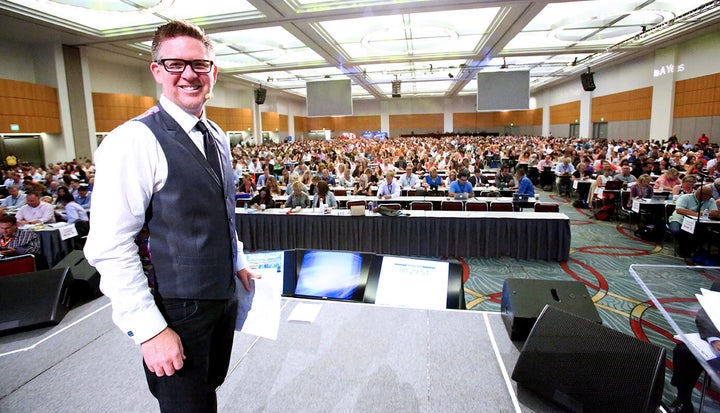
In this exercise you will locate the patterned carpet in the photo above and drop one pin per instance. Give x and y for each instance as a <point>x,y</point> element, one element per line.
<point>600,256</point>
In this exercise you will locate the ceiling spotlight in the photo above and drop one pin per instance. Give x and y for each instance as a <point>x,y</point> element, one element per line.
<point>450,75</point>
<point>504,65</point>
<point>327,76</point>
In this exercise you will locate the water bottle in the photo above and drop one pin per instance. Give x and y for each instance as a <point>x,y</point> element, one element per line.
<point>322,208</point>
<point>246,207</point>
<point>706,214</point>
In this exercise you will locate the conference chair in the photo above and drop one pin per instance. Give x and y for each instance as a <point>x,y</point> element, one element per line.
<point>421,206</point>
<point>546,207</point>
<point>340,192</point>
<point>451,205</point>
<point>501,206</point>
<point>624,208</point>
<point>476,206</point>
<point>18,264</point>
<point>356,202</point>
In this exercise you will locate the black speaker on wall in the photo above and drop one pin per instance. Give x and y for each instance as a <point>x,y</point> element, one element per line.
<point>523,299</point>
<point>586,367</point>
<point>260,94</point>
<point>588,83</point>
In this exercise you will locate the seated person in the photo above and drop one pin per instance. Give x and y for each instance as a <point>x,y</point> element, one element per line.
<point>641,189</point>
<point>686,186</point>
<point>477,178</point>
<point>686,368</point>
<point>504,178</point>
<point>625,176</point>
<point>77,215</point>
<point>525,185</point>
<point>690,205</point>
<point>246,185</point>
<point>83,197</point>
<point>409,179</point>
<point>668,180</point>
<point>262,179</point>
<point>564,169</point>
<point>327,177</point>
<point>14,241</point>
<point>298,198</point>
<point>264,197</point>
<point>15,199</point>
<point>388,187</point>
<point>35,211</point>
<point>432,180</point>
<point>461,185</point>
<point>362,186</point>
<point>451,177</point>
<point>323,195</point>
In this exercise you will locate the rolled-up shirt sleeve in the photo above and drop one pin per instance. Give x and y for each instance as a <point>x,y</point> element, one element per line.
<point>130,167</point>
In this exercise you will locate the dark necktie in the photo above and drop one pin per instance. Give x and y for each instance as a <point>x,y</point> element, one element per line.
<point>211,152</point>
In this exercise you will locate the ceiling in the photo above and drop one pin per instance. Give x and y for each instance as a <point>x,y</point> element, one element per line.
<point>435,48</point>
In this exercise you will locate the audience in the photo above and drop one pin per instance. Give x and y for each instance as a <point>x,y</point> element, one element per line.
<point>35,211</point>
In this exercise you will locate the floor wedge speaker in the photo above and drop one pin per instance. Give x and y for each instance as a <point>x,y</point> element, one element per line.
<point>34,299</point>
<point>87,278</point>
<point>586,367</point>
<point>523,299</point>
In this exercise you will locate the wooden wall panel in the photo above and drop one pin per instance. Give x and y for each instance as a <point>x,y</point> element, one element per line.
<point>565,113</point>
<point>697,97</point>
<point>433,121</point>
<point>113,109</point>
<point>35,108</point>
<point>480,120</point>
<point>630,105</point>
<point>284,123</point>
<point>230,119</point>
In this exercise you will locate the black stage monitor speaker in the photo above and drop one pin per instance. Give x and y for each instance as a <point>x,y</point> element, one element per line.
<point>260,94</point>
<point>34,299</point>
<point>523,300</point>
<point>588,83</point>
<point>87,278</point>
<point>586,367</point>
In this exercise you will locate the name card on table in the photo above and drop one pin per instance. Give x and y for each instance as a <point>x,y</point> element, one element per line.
<point>636,205</point>
<point>67,231</point>
<point>688,224</point>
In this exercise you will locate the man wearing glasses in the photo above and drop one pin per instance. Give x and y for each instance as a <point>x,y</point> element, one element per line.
<point>163,228</point>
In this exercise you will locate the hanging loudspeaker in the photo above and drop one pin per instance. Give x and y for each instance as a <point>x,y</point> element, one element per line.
<point>587,81</point>
<point>260,94</point>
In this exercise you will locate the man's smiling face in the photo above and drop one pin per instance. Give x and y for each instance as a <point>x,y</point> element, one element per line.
<point>188,89</point>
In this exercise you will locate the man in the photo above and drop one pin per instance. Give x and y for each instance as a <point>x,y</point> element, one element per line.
<point>525,185</point>
<point>83,197</point>
<point>388,187</point>
<point>461,185</point>
<point>477,179</point>
<point>325,176</point>
<point>169,267</point>
<point>409,179</point>
<point>504,178</point>
<point>686,368</point>
<point>14,200</point>
<point>691,205</point>
<point>262,179</point>
<point>625,176</point>
<point>14,241</point>
<point>563,173</point>
<point>35,211</point>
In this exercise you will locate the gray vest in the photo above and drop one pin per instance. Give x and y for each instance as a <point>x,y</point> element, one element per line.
<point>190,222</point>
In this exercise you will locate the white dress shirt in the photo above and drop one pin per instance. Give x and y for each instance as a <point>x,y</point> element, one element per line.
<point>131,167</point>
<point>44,212</point>
<point>392,189</point>
<point>409,181</point>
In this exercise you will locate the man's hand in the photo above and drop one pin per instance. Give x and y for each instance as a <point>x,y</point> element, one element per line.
<point>163,354</point>
<point>245,275</point>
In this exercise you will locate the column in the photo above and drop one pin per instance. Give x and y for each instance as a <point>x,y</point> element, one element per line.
<point>663,97</point>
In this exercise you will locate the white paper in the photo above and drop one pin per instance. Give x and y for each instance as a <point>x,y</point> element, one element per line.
<point>263,319</point>
<point>710,302</point>
<point>413,283</point>
<point>688,224</point>
<point>575,184</point>
<point>305,312</point>
<point>67,231</point>
<point>599,192</point>
<point>636,205</point>
<point>703,347</point>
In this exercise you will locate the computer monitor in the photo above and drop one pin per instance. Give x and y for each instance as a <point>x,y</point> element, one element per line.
<point>321,274</point>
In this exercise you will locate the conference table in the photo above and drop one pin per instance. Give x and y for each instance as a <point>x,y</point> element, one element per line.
<point>520,235</point>
<point>406,201</point>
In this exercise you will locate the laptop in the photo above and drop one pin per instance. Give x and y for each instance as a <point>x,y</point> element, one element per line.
<point>461,196</point>
<point>659,197</point>
<point>613,185</point>
<point>357,211</point>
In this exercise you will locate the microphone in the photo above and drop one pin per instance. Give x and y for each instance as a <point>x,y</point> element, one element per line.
<point>208,96</point>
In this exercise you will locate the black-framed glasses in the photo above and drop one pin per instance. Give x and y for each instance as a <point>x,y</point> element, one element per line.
<point>178,65</point>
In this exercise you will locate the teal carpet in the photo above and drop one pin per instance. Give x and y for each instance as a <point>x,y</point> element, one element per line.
<point>600,256</point>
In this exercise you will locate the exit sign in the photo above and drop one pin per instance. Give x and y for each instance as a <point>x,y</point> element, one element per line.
<point>14,127</point>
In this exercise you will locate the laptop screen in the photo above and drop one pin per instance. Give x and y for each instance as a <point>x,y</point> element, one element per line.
<point>460,196</point>
<point>613,185</point>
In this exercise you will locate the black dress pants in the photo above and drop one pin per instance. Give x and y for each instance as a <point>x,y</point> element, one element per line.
<point>686,371</point>
<point>206,328</point>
